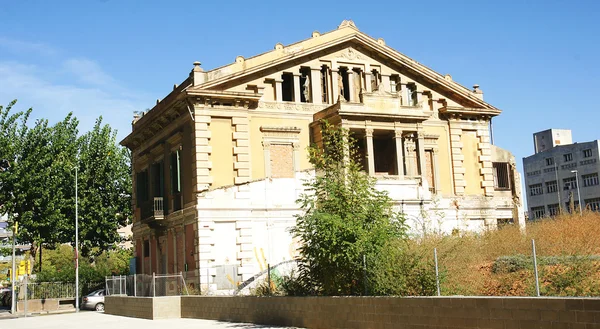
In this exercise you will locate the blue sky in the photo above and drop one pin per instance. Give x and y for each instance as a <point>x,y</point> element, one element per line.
<point>535,60</point>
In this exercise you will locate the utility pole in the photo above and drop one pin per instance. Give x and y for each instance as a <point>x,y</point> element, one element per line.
<point>76,247</point>
<point>4,166</point>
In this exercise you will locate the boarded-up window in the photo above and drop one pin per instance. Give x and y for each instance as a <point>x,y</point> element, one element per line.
<point>282,160</point>
<point>429,170</point>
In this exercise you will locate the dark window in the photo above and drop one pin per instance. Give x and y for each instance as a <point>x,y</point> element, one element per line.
<point>324,84</point>
<point>549,161</point>
<point>501,172</point>
<point>587,153</point>
<point>568,157</point>
<point>141,187</point>
<point>287,87</point>
<point>175,172</point>
<point>146,248</point>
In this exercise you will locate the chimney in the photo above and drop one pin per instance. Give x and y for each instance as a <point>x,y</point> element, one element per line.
<point>198,75</point>
<point>478,93</point>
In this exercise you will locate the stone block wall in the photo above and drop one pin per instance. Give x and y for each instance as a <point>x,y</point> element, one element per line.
<point>392,312</point>
<point>144,307</point>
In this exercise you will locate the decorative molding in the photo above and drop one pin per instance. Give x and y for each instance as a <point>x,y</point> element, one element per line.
<point>350,54</point>
<point>291,106</point>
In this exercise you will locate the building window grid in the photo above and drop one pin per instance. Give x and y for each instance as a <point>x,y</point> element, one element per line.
<point>568,157</point>
<point>536,189</point>
<point>570,183</point>
<point>553,209</point>
<point>551,187</point>
<point>538,212</point>
<point>593,204</point>
<point>590,180</point>
<point>587,153</point>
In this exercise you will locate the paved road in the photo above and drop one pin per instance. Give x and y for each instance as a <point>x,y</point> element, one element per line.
<point>93,320</point>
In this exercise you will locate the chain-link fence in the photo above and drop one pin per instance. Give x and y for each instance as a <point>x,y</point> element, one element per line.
<point>53,290</point>
<point>145,285</point>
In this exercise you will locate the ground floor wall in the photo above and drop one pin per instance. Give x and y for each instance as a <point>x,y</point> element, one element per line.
<point>235,232</point>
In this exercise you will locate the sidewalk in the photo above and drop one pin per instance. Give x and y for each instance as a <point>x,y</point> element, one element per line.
<point>95,320</point>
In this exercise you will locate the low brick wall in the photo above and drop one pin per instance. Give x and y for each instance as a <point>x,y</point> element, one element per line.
<point>393,312</point>
<point>143,307</point>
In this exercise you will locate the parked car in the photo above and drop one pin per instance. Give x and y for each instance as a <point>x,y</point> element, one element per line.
<point>5,296</point>
<point>93,301</point>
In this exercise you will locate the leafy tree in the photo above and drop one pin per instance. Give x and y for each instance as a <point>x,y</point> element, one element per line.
<point>104,188</point>
<point>38,191</point>
<point>346,219</point>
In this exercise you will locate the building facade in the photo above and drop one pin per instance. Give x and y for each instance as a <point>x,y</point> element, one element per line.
<point>554,173</point>
<point>220,161</point>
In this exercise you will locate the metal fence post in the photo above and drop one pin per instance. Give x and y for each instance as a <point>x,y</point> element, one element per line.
<point>153,284</point>
<point>366,288</point>
<point>26,293</point>
<point>269,277</point>
<point>437,273</point>
<point>535,269</point>
<point>106,285</point>
<point>134,286</point>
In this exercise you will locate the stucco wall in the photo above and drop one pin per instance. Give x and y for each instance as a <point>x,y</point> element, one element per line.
<point>393,312</point>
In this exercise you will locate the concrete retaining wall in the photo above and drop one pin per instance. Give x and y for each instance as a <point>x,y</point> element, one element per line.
<point>38,305</point>
<point>392,312</point>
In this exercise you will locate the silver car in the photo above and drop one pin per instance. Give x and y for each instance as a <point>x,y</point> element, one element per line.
<point>93,301</point>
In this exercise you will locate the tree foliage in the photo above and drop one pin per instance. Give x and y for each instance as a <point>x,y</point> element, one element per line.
<point>346,220</point>
<point>38,190</point>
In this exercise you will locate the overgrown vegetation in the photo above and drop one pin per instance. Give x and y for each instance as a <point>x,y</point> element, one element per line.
<point>500,262</point>
<point>353,241</point>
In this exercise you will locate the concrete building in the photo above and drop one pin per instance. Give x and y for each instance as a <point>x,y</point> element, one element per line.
<point>552,174</point>
<point>220,161</point>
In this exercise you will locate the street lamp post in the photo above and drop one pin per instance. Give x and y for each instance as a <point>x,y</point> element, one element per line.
<point>76,247</point>
<point>578,191</point>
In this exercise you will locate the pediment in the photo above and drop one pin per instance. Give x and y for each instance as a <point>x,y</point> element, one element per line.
<point>349,48</point>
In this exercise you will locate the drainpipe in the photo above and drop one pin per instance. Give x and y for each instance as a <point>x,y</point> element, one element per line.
<point>491,132</point>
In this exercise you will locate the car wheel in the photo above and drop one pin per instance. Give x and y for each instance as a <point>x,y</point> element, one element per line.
<point>99,307</point>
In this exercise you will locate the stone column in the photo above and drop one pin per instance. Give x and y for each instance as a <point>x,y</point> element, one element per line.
<point>278,92</point>
<point>409,146</point>
<point>405,95</point>
<point>335,89</point>
<point>370,151</point>
<point>421,153</point>
<point>315,86</point>
<point>385,83</point>
<point>297,88</point>
<point>399,157</point>
<point>351,86</point>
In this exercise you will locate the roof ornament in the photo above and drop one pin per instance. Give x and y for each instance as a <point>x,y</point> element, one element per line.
<point>347,23</point>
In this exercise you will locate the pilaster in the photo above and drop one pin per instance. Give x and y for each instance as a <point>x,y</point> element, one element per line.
<point>457,157</point>
<point>399,156</point>
<point>385,83</point>
<point>201,151</point>
<point>421,150</point>
<point>241,151</point>
<point>351,85</point>
<point>370,152</point>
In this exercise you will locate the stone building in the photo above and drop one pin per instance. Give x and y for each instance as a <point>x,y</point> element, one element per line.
<point>555,171</point>
<point>219,162</point>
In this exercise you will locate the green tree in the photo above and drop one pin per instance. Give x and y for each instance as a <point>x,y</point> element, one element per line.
<point>345,219</point>
<point>104,188</point>
<point>38,191</point>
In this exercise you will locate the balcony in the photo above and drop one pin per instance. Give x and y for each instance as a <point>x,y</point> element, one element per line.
<point>153,211</point>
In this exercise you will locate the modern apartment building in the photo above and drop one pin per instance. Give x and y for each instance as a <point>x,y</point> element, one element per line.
<point>219,163</point>
<point>561,174</point>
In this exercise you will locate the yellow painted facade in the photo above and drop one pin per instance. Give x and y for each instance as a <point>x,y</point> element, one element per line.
<point>236,137</point>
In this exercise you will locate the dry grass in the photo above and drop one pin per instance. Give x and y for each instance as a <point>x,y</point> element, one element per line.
<point>467,260</point>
